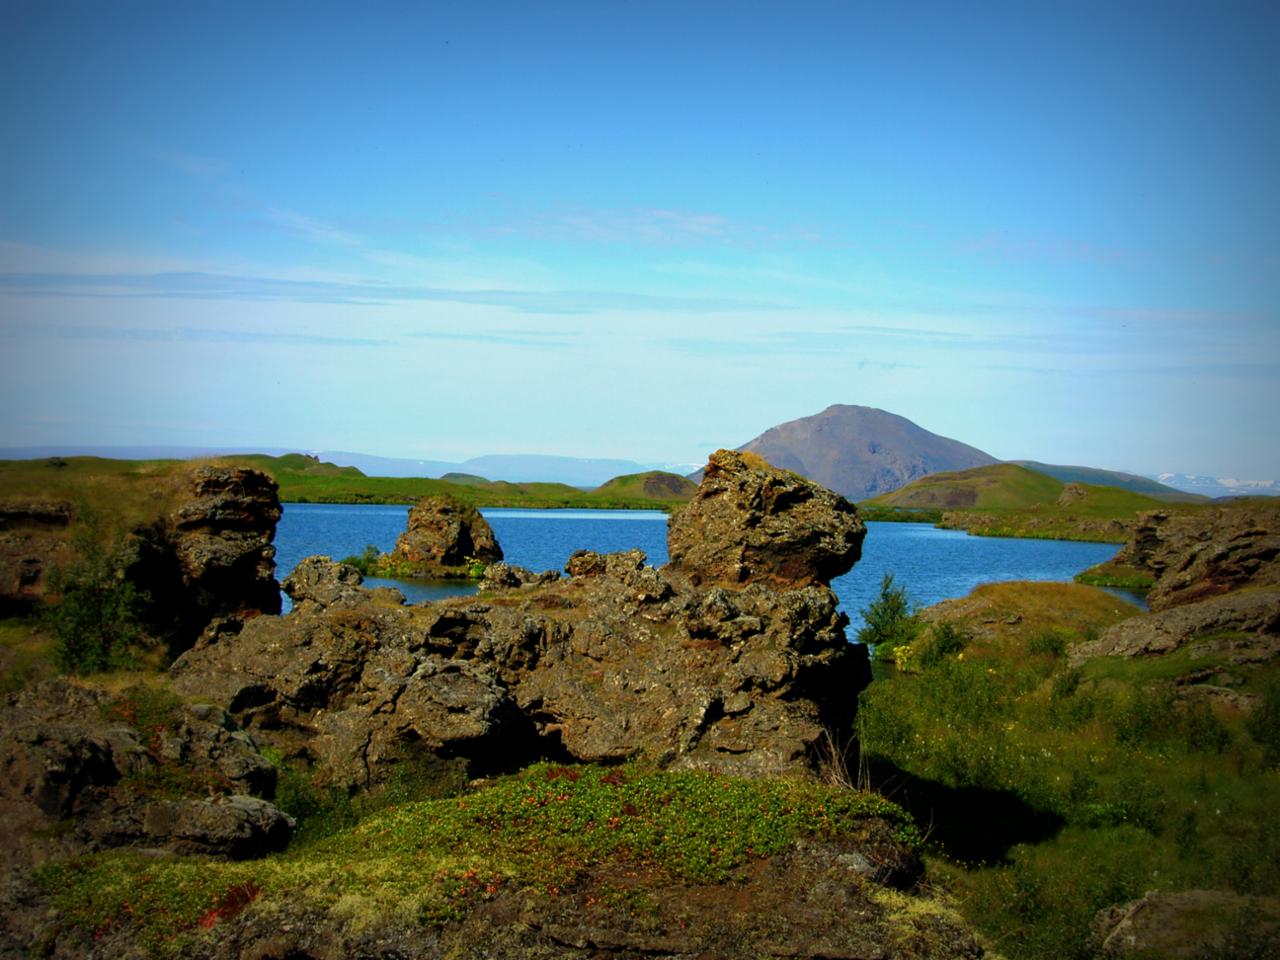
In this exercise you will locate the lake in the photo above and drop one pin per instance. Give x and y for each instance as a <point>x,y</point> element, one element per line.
<point>932,564</point>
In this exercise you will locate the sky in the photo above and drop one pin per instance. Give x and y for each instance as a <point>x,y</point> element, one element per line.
<point>645,231</point>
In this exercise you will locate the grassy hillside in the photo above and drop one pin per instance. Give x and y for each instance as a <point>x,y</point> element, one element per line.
<point>1113,478</point>
<point>107,486</point>
<point>1012,501</point>
<point>654,485</point>
<point>1093,784</point>
<point>1001,486</point>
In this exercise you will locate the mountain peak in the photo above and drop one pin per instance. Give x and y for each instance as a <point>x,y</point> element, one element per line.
<point>862,451</point>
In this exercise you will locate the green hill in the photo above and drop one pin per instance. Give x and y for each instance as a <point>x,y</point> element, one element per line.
<point>1009,500</point>
<point>657,486</point>
<point>102,484</point>
<point>1001,486</point>
<point>1113,478</point>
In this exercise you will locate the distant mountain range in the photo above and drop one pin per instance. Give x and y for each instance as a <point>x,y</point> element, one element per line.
<point>1220,486</point>
<point>858,451</point>
<point>861,452</point>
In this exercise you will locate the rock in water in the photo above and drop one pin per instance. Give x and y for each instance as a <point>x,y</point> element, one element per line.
<point>752,523</point>
<point>445,532</point>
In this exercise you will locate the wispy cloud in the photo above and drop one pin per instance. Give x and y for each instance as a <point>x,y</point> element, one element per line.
<point>789,343</point>
<point>1016,248</point>
<point>213,286</point>
<point>202,168</point>
<point>185,334</point>
<point>641,226</point>
<point>309,228</point>
<point>524,338</point>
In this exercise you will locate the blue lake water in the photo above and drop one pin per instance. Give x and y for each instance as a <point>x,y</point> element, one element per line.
<point>932,564</point>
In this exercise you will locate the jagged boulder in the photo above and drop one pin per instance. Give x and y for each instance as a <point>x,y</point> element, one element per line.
<point>507,576</point>
<point>321,581</point>
<point>222,534</point>
<point>752,523</point>
<point>131,769</point>
<point>1205,553</point>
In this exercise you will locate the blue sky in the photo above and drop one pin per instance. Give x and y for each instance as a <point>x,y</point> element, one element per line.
<point>643,230</point>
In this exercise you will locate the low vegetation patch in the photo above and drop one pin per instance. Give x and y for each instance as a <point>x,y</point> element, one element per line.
<point>538,832</point>
<point>1144,783</point>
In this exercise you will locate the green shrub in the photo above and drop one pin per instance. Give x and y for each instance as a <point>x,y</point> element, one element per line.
<point>366,561</point>
<point>1047,640</point>
<point>888,620</point>
<point>95,616</point>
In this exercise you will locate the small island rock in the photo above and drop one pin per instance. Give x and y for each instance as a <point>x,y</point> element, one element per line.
<point>444,532</point>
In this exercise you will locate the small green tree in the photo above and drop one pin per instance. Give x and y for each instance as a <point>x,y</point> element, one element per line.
<point>94,618</point>
<point>888,620</point>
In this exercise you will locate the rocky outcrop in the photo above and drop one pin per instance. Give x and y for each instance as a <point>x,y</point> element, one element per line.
<point>443,534</point>
<point>33,539</point>
<point>84,771</point>
<point>1206,553</point>
<point>712,666</point>
<point>1216,586</point>
<point>222,537</point>
<point>751,523</point>
<point>1253,613</point>
<point>211,556</point>
<point>622,661</point>
<point>203,552</point>
<point>1189,924</point>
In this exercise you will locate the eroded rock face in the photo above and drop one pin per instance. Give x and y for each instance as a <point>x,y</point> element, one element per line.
<point>1250,612</point>
<point>444,532</point>
<point>222,537</point>
<point>1217,586</point>
<point>33,538</point>
<point>210,556</point>
<point>1206,553</point>
<point>193,783</point>
<point>751,523</point>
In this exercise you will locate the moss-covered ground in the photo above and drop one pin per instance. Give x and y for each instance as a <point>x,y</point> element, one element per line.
<point>1054,791</point>
<point>429,860</point>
